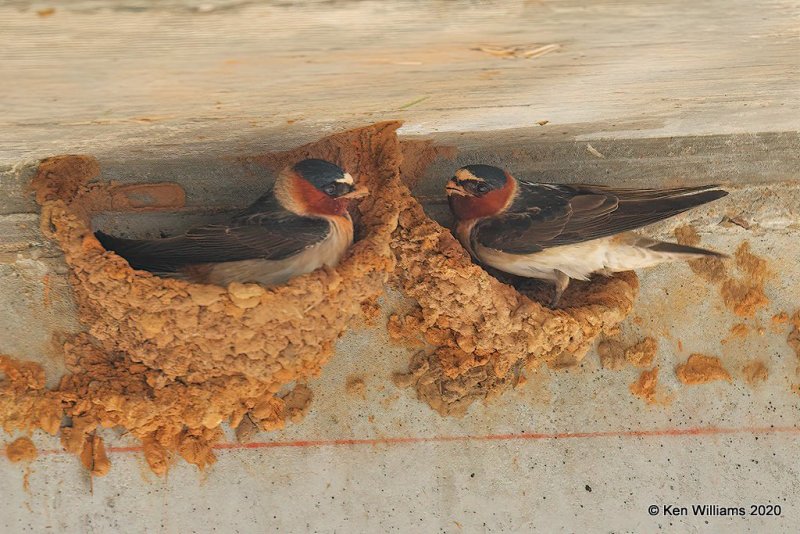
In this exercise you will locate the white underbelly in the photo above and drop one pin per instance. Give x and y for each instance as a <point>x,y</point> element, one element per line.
<point>578,261</point>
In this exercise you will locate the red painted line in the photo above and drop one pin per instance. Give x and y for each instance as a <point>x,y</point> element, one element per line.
<point>667,432</point>
<point>670,432</point>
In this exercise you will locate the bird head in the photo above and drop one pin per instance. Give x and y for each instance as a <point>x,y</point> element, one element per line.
<point>478,191</point>
<point>317,187</point>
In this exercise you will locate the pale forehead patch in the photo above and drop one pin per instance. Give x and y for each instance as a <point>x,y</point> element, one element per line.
<point>464,174</point>
<point>346,179</point>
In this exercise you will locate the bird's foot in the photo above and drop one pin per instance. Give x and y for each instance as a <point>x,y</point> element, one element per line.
<point>561,283</point>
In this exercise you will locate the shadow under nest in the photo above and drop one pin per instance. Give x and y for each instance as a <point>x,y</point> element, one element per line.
<point>169,361</point>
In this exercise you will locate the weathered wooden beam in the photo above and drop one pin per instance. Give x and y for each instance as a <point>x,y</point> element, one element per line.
<point>138,78</point>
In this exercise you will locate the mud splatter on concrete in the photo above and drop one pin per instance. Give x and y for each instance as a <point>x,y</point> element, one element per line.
<point>755,372</point>
<point>615,356</point>
<point>21,450</point>
<point>701,369</point>
<point>794,336</point>
<point>355,386</point>
<point>710,269</point>
<point>645,386</point>
<point>744,293</point>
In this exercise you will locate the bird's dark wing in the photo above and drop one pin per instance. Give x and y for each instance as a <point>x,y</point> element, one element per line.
<point>271,236</point>
<point>547,215</point>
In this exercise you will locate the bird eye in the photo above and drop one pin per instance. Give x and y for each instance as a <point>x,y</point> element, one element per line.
<point>330,189</point>
<point>482,188</point>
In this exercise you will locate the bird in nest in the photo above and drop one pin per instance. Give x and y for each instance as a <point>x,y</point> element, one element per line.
<point>561,232</point>
<point>301,224</point>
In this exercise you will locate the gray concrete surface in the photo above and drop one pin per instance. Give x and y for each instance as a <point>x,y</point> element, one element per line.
<point>669,92</point>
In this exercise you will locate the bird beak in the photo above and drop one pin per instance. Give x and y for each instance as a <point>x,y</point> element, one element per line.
<point>452,188</point>
<point>360,191</point>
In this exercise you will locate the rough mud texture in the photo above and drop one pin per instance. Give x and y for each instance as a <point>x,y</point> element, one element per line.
<point>615,356</point>
<point>700,369</point>
<point>739,330</point>
<point>645,386</point>
<point>643,353</point>
<point>736,332</point>
<point>68,177</point>
<point>169,361</point>
<point>745,295</point>
<point>480,333</point>
<point>612,354</point>
<point>93,456</point>
<point>356,386</point>
<point>794,336</point>
<point>25,404</point>
<point>780,318</point>
<point>371,311</point>
<point>710,269</point>
<point>21,450</point>
<point>742,294</point>
<point>755,372</point>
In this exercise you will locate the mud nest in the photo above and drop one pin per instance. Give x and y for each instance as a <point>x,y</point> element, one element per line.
<point>479,333</point>
<point>169,360</point>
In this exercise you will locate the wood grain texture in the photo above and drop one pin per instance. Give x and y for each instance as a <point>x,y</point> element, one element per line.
<point>180,77</point>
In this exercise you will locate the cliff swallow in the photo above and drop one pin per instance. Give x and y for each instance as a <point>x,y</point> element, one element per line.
<point>300,225</point>
<point>559,232</point>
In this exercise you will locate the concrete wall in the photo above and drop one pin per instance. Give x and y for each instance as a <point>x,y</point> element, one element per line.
<point>667,93</point>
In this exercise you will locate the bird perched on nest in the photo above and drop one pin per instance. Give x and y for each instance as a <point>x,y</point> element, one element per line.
<point>300,225</point>
<point>560,232</point>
